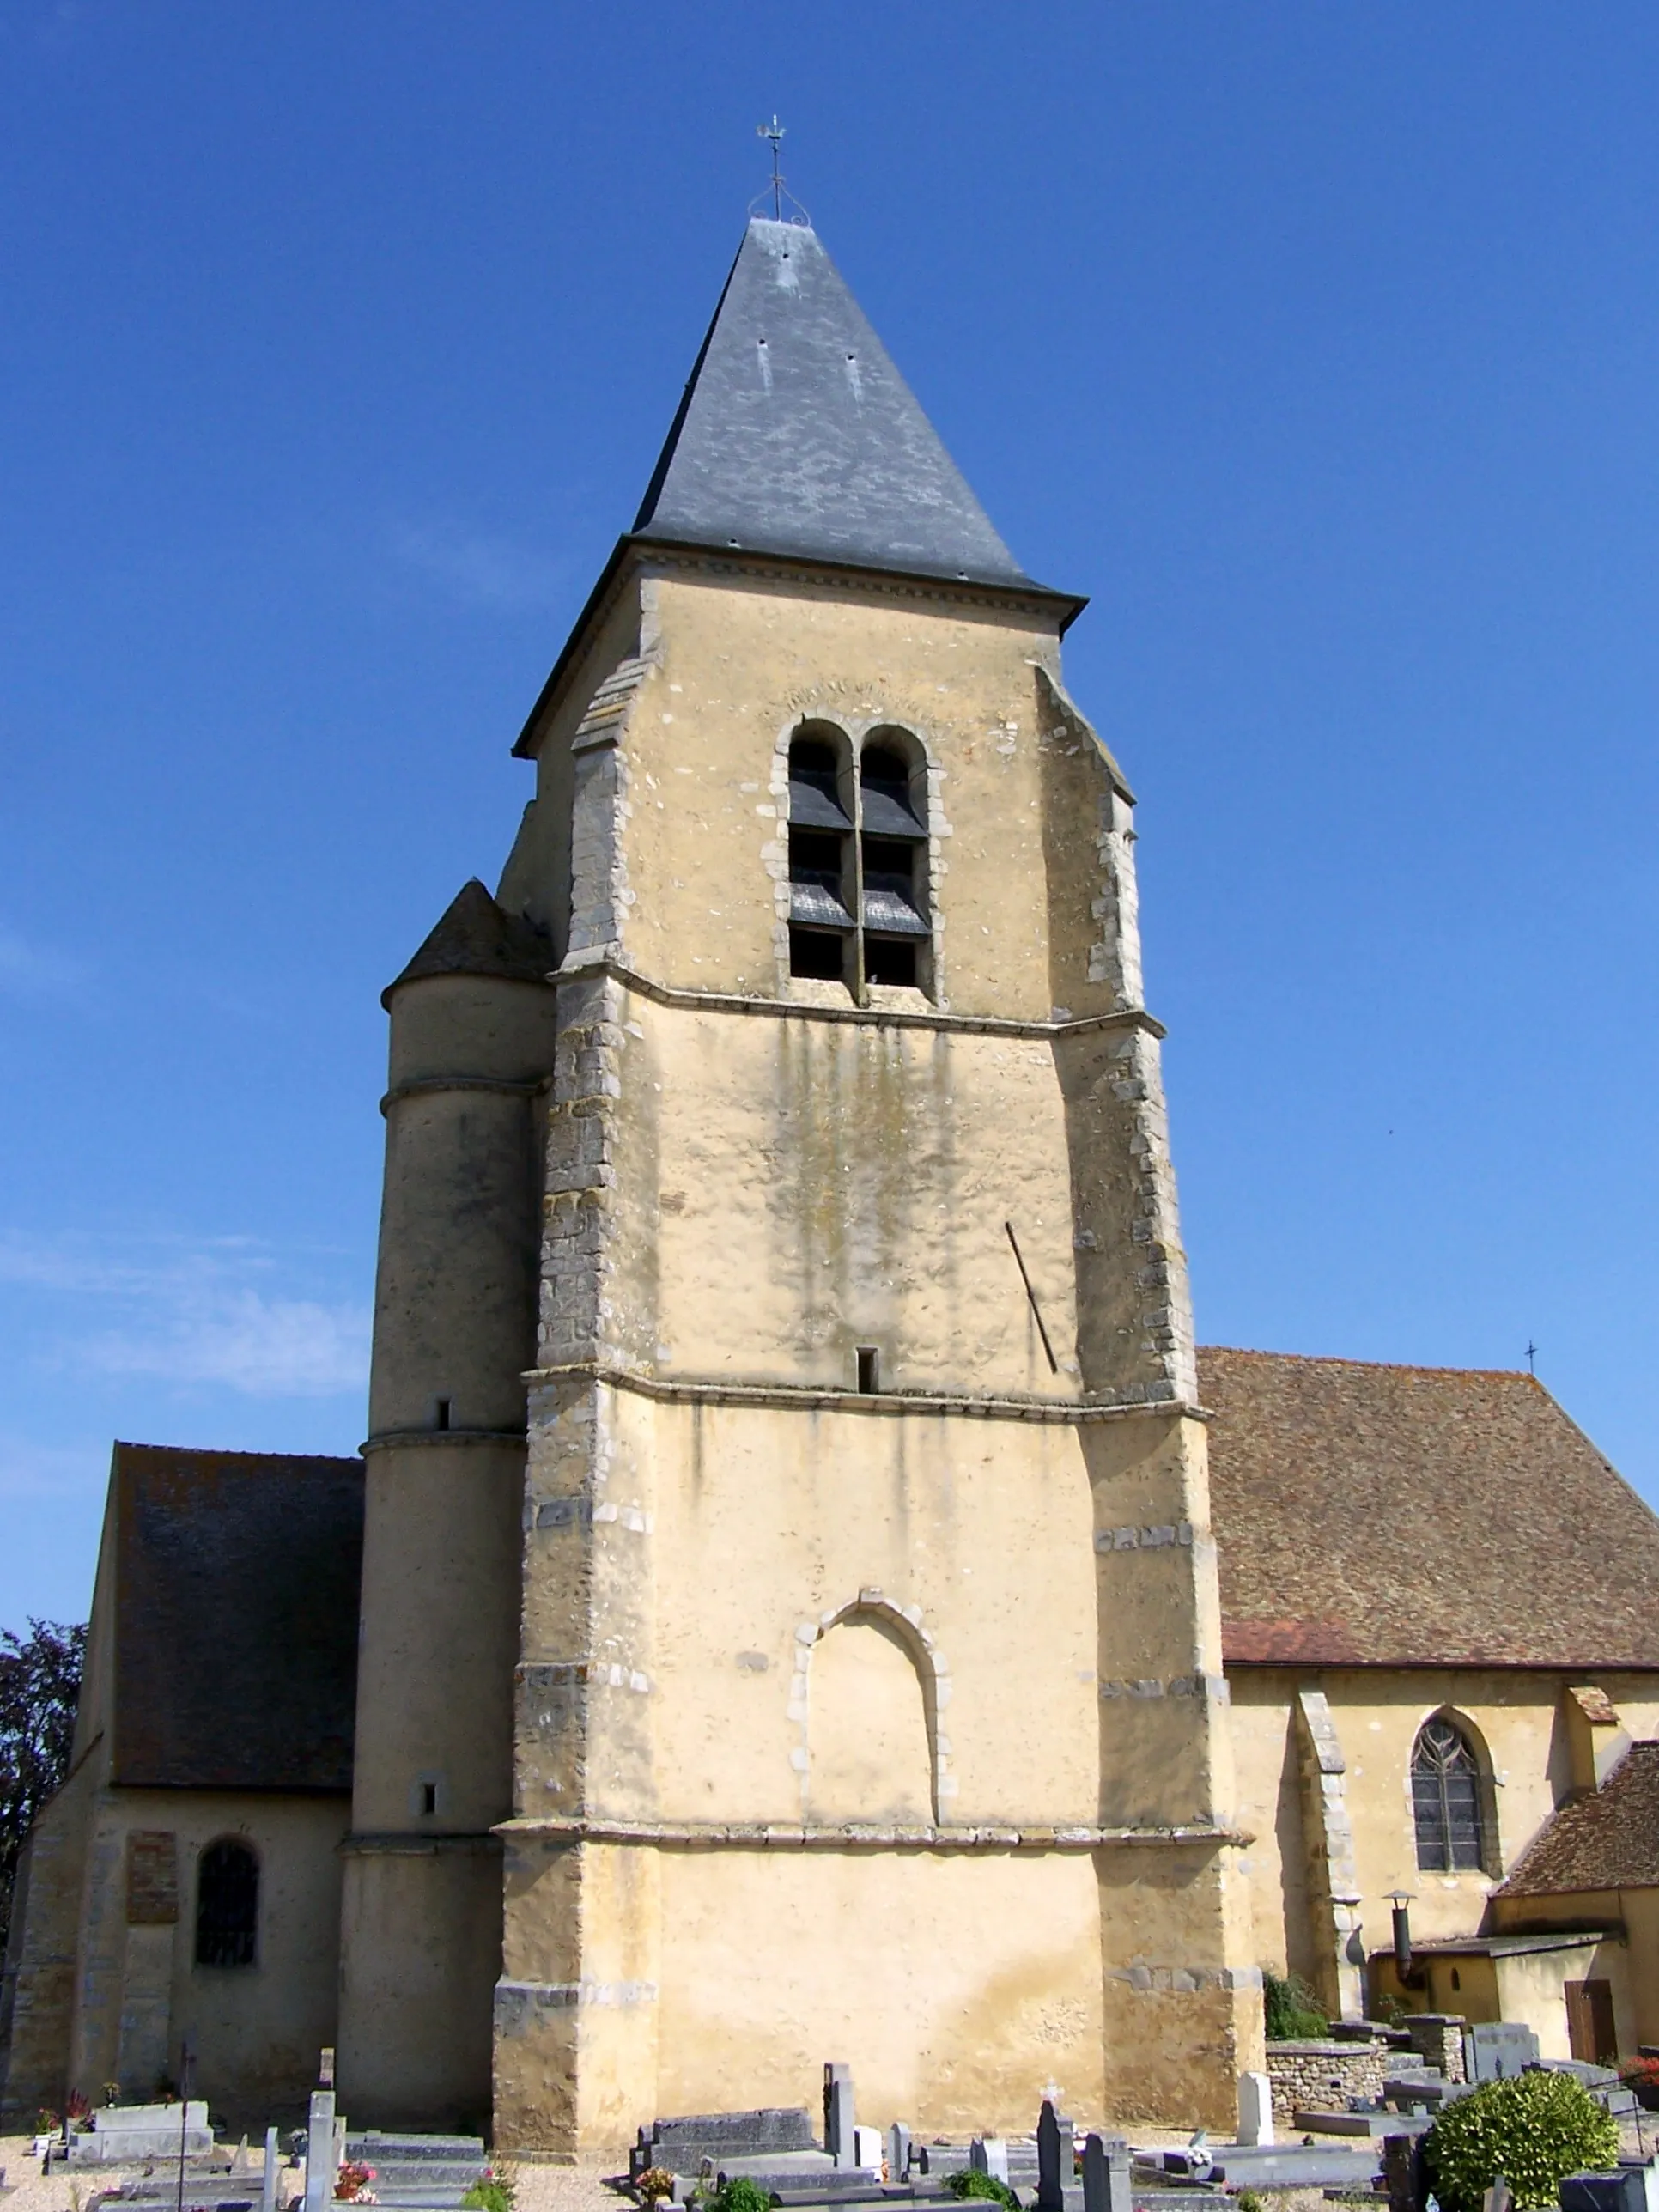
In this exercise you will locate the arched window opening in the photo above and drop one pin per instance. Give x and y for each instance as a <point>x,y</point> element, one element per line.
<point>821,924</point>
<point>858,900</point>
<point>1446,1800</point>
<point>892,838</point>
<point>226,1906</point>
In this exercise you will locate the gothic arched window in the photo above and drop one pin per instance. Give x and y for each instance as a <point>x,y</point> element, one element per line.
<point>1446,1799</point>
<point>226,1906</point>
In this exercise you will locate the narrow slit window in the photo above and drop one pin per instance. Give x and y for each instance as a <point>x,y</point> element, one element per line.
<point>869,1369</point>
<point>440,1414</point>
<point>226,1906</point>
<point>429,1797</point>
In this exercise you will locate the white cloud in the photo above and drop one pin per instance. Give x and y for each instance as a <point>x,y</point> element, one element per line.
<point>195,1314</point>
<point>484,571</point>
<point>266,1347</point>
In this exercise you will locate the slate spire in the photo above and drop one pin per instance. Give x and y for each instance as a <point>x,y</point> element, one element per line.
<point>797,435</point>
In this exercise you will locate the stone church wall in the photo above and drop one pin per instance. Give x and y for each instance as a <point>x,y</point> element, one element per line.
<point>1514,1718</point>
<point>255,2030</point>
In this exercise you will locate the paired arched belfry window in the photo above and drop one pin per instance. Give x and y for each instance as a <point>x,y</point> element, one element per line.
<point>1446,1792</point>
<point>226,1906</point>
<point>858,851</point>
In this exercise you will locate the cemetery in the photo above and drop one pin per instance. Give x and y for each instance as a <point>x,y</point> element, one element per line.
<point>1374,2147</point>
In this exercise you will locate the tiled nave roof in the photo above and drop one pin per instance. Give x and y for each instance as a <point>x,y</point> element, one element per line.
<point>1373,1516</point>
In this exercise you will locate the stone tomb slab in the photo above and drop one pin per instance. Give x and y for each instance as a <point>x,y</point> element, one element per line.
<point>680,2145</point>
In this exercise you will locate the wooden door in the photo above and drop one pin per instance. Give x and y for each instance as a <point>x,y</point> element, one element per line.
<point>1590,2032</point>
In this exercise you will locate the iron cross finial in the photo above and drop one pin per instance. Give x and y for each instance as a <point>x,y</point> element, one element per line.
<point>1532,1354</point>
<point>774,132</point>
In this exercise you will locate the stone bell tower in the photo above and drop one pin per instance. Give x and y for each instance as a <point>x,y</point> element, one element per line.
<point>867,1697</point>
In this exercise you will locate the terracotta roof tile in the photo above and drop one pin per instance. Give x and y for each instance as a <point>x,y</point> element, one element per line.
<point>1372,1516</point>
<point>1607,1840</point>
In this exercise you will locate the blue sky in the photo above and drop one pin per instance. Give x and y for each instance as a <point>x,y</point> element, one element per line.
<point>1319,344</point>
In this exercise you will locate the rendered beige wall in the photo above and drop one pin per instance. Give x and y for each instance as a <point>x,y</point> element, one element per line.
<point>255,2031</point>
<point>736,664</point>
<point>1516,1718</point>
<point>815,1186</point>
<point>752,1600</point>
<point>454,1322</point>
<point>957,1987</point>
<point>1630,1964</point>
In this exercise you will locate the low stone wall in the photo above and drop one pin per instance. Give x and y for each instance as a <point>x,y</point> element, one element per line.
<point>1437,2040</point>
<point>1323,2076</point>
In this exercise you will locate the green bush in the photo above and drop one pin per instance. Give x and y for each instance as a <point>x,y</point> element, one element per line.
<point>984,2187</point>
<point>493,2192</point>
<point>1291,2011</point>
<point>1532,2129</point>
<point>740,2194</point>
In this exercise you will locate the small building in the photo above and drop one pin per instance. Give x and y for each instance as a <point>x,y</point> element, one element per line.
<point>1590,1879</point>
<point>182,1887</point>
<point>1440,1614</point>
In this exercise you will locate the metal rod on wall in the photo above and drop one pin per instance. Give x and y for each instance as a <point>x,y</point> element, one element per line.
<point>1036,1310</point>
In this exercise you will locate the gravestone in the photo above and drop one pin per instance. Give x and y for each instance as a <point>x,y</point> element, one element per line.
<point>1404,2174</point>
<point>1106,2186</point>
<point>1634,2187</point>
<point>273,2160</point>
<point>1255,2111</point>
<point>899,2151</point>
<point>1498,2198</point>
<point>320,2151</point>
<point>838,2120</point>
<point>989,2155</point>
<point>1495,2050</point>
<point>1054,2159</point>
<point>867,2149</point>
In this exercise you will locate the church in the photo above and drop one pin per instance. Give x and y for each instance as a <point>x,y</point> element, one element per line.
<point>803,1594</point>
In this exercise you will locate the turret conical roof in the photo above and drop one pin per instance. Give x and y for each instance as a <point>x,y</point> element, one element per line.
<point>797,437</point>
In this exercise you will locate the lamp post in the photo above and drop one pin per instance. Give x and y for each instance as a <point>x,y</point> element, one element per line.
<point>1400,1900</point>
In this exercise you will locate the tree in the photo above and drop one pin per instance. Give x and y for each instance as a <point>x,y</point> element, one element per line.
<point>40,1688</point>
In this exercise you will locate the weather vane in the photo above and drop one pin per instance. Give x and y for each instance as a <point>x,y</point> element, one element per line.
<point>774,132</point>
